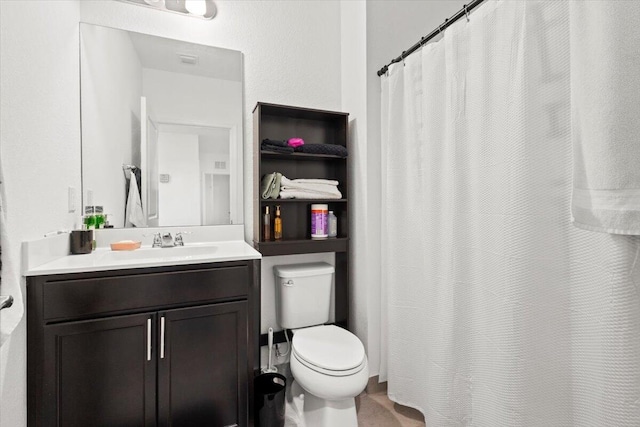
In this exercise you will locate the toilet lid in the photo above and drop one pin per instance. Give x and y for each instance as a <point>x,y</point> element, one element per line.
<point>328,347</point>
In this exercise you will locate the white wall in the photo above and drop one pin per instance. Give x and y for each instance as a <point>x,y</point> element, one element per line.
<point>353,73</point>
<point>40,143</point>
<point>291,56</point>
<point>214,148</point>
<point>111,89</point>
<point>179,199</point>
<point>188,99</point>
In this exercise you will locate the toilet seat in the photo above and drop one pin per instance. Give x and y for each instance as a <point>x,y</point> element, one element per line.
<point>329,350</point>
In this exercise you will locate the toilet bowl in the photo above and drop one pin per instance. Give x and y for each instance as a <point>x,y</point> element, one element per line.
<point>327,362</point>
<point>330,365</point>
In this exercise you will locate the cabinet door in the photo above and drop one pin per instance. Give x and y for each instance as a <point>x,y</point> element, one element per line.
<point>203,366</point>
<point>100,373</point>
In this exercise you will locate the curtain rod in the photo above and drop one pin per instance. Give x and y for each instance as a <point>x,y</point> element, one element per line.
<point>459,14</point>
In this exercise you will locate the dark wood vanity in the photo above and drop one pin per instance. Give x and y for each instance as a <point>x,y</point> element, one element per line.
<point>161,346</point>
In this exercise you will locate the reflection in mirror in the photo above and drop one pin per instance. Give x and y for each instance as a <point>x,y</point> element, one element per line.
<point>161,129</point>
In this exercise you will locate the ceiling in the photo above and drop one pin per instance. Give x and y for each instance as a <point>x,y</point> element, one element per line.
<point>164,54</point>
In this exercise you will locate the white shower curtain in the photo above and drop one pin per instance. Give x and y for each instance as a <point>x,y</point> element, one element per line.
<point>496,310</point>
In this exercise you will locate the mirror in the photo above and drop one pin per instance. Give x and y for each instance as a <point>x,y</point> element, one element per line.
<point>167,113</point>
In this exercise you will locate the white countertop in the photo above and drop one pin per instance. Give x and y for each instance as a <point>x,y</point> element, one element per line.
<point>49,255</point>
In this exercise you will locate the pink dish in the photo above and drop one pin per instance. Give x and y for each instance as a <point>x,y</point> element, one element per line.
<point>125,245</point>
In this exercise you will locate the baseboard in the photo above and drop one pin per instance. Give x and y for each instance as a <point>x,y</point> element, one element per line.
<point>375,386</point>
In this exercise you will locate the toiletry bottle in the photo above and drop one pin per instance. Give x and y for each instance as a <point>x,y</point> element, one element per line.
<point>106,221</point>
<point>333,225</point>
<point>99,215</point>
<point>89,217</point>
<point>266,225</point>
<point>90,223</point>
<point>277,225</point>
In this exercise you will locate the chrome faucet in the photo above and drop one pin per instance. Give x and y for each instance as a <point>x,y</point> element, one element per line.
<point>165,240</point>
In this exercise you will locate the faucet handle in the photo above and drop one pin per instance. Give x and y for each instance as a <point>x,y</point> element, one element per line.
<point>178,240</point>
<point>157,239</point>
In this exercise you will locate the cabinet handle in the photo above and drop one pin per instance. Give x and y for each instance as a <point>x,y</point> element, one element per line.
<point>162,337</point>
<point>148,339</point>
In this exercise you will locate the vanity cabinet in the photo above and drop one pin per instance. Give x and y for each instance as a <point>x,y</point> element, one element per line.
<point>164,346</point>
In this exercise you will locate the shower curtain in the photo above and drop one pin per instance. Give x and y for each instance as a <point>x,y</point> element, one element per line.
<point>496,310</point>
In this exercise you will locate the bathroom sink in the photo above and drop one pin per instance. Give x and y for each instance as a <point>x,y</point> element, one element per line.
<point>208,245</point>
<point>177,253</point>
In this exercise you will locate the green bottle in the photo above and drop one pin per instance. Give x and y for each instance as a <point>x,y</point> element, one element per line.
<point>99,216</point>
<point>89,217</point>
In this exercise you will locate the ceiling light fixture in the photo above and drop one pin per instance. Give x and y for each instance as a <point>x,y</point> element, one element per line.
<point>197,7</point>
<point>203,9</point>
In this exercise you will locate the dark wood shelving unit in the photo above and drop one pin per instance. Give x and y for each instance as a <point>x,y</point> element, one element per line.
<point>309,201</point>
<point>299,156</point>
<point>281,122</point>
<point>305,246</point>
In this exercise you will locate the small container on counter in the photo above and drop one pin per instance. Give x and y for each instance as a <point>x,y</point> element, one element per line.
<point>81,241</point>
<point>89,219</point>
<point>100,217</point>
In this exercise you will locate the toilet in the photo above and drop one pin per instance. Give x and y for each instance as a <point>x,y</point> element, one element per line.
<point>327,362</point>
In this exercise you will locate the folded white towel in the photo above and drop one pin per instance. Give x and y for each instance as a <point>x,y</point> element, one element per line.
<point>134,216</point>
<point>605,83</point>
<point>286,181</point>
<point>306,194</point>
<point>311,187</point>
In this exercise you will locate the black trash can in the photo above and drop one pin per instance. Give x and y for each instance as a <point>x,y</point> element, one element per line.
<point>270,394</point>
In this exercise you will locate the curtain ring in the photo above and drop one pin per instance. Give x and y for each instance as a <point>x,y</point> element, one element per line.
<point>402,56</point>
<point>440,30</point>
<point>466,12</point>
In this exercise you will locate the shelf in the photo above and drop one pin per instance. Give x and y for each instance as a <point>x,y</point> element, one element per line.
<point>299,156</point>
<point>286,201</point>
<point>299,112</point>
<point>281,122</point>
<point>306,246</point>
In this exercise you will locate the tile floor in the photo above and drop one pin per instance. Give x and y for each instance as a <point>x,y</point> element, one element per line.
<point>376,410</point>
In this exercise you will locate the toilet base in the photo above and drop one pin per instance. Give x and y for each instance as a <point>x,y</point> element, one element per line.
<point>319,412</point>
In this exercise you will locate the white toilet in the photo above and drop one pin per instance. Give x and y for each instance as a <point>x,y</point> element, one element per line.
<point>327,362</point>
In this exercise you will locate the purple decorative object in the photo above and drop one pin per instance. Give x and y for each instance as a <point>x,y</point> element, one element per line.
<point>295,142</point>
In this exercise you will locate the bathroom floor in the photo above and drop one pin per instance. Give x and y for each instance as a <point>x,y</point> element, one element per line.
<point>376,410</point>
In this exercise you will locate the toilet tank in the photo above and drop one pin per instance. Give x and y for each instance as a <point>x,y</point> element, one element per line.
<point>303,293</point>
